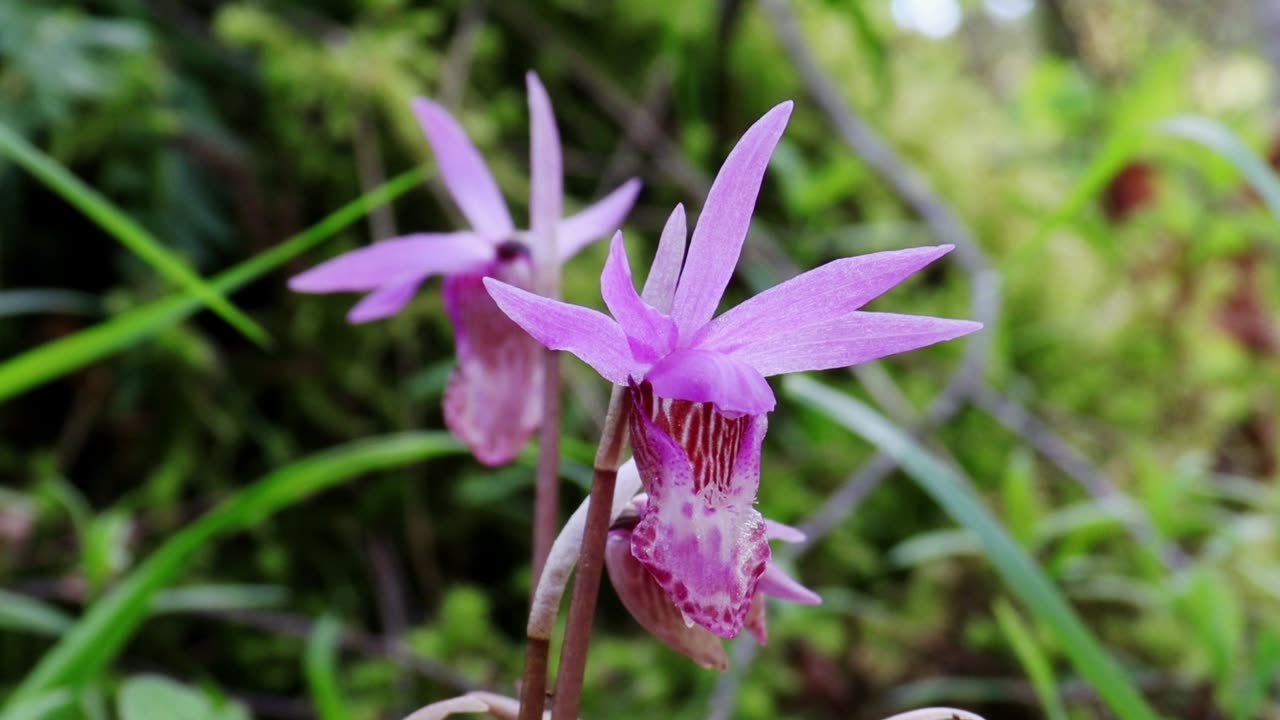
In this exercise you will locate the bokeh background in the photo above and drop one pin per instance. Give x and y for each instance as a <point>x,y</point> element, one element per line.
<point>1120,416</point>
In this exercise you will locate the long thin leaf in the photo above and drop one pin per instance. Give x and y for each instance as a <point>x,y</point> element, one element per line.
<point>39,707</point>
<point>42,364</point>
<point>1032,658</point>
<point>123,228</point>
<point>321,666</point>
<point>103,630</point>
<point>48,300</point>
<point>1218,138</point>
<point>25,614</point>
<point>1020,573</point>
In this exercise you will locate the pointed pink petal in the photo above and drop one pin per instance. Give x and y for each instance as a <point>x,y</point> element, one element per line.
<point>650,334</point>
<point>493,401</point>
<point>778,584</point>
<point>373,266</point>
<point>464,171</point>
<point>385,301</point>
<point>775,530</point>
<point>700,536</point>
<point>722,226</point>
<point>855,338</point>
<point>593,336</point>
<point>598,220</point>
<point>650,605</point>
<point>546,182</point>
<point>735,387</point>
<point>817,296</point>
<point>664,274</point>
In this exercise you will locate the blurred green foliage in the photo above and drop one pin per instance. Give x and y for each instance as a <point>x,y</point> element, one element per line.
<point>1139,321</point>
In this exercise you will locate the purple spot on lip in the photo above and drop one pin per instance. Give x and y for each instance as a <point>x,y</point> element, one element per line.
<point>687,510</point>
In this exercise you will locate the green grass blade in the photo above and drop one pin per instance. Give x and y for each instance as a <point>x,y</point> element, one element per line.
<point>38,708</point>
<point>123,228</point>
<point>46,362</point>
<point>321,666</point>
<point>25,614</point>
<point>48,300</point>
<point>96,638</point>
<point>1032,658</point>
<point>1020,573</point>
<point>1215,136</point>
<point>1262,675</point>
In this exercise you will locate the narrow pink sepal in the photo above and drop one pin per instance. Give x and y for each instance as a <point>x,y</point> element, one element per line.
<point>856,338</point>
<point>735,387</point>
<point>464,171</point>
<point>650,605</point>
<point>776,583</point>
<point>664,273</point>
<point>385,301</point>
<point>598,220</point>
<point>775,530</point>
<point>546,181</point>
<point>818,296</point>
<point>390,261</point>
<point>493,400</point>
<point>722,226</point>
<point>650,334</point>
<point>593,336</point>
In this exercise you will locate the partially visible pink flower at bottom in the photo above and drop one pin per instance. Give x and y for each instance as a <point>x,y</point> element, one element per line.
<point>651,605</point>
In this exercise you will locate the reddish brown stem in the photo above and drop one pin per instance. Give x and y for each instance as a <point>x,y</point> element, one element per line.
<point>546,503</point>
<point>582,609</point>
<point>594,529</point>
<point>533,692</point>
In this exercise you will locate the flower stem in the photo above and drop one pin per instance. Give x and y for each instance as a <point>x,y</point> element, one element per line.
<point>586,588</point>
<point>562,557</point>
<point>546,502</point>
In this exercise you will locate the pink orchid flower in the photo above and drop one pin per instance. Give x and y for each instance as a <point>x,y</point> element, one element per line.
<point>697,385</point>
<point>654,609</point>
<point>492,401</point>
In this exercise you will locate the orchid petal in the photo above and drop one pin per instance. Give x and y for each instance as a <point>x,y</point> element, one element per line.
<point>651,334</point>
<point>817,296</point>
<point>854,338</point>
<point>735,387</point>
<point>775,530</point>
<point>593,336</point>
<point>385,301</point>
<point>381,263</point>
<point>546,182</point>
<point>778,584</point>
<point>722,226</point>
<point>464,171</point>
<point>493,401</point>
<point>650,605</point>
<point>664,274</point>
<point>597,221</point>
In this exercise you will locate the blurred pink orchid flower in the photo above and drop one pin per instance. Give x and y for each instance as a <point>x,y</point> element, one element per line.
<point>697,385</point>
<point>492,401</point>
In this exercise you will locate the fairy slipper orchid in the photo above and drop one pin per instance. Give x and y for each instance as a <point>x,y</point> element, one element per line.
<point>697,385</point>
<point>656,611</point>
<point>492,401</point>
